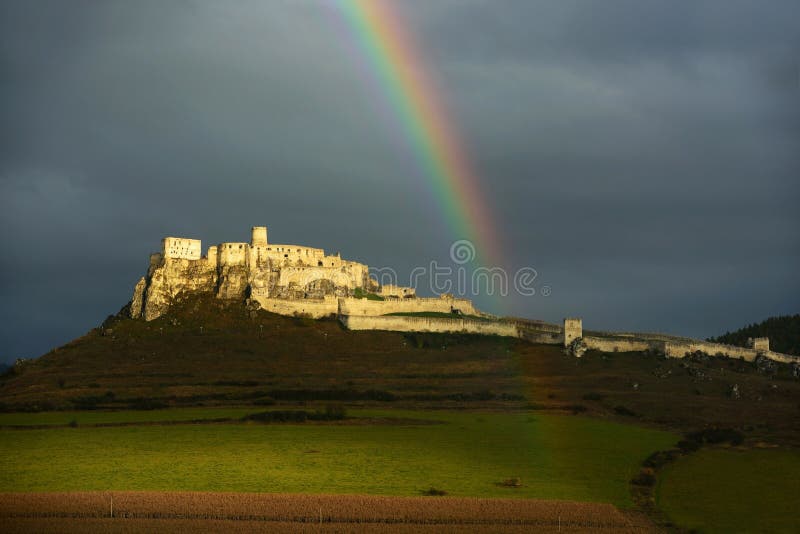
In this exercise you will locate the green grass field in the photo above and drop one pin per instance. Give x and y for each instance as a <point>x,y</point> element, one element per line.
<point>556,457</point>
<point>721,490</point>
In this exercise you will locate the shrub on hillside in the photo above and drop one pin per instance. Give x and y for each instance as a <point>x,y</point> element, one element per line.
<point>278,416</point>
<point>688,445</point>
<point>141,403</point>
<point>660,458</point>
<point>330,395</point>
<point>716,435</point>
<point>644,478</point>
<point>622,410</point>
<point>333,412</point>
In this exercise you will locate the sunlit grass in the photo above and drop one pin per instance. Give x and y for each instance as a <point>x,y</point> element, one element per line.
<point>556,457</point>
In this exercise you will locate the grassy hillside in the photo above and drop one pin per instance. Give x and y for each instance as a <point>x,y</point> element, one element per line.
<point>783,333</point>
<point>211,353</point>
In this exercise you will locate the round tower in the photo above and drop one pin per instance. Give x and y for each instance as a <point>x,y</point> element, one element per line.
<point>259,236</point>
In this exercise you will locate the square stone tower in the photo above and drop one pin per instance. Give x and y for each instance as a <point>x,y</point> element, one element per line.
<point>759,343</point>
<point>258,236</point>
<point>573,329</point>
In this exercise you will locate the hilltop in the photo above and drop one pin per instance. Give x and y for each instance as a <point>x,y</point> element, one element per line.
<point>783,333</point>
<point>207,351</point>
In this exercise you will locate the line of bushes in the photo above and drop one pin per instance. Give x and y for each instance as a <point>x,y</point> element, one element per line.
<point>466,397</point>
<point>332,412</point>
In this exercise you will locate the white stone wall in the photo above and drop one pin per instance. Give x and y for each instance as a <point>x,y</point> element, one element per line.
<point>315,308</point>
<point>540,338</point>
<point>428,324</point>
<point>784,358</point>
<point>181,247</point>
<point>347,276</point>
<point>679,349</point>
<point>611,344</point>
<point>356,306</point>
<point>390,290</point>
<point>232,253</point>
<point>296,255</point>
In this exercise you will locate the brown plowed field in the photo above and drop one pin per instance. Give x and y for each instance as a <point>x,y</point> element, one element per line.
<point>244,512</point>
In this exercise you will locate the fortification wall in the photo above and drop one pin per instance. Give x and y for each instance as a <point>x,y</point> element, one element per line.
<point>784,358</point>
<point>291,254</point>
<point>679,349</point>
<point>316,308</point>
<point>356,306</point>
<point>232,253</point>
<point>349,276</point>
<point>617,344</point>
<point>390,290</point>
<point>427,324</point>
<point>541,338</point>
<point>538,326</point>
<point>181,248</point>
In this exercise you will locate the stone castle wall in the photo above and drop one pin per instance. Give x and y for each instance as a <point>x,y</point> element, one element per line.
<point>181,247</point>
<point>616,344</point>
<point>232,254</point>
<point>679,349</point>
<point>315,308</point>
<point>391,290</point>
<point>358,306</point>
<point>428,324</point>
<point>539,337</point>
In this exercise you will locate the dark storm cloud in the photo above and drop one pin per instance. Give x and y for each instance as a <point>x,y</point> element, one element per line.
<point>642,156</point>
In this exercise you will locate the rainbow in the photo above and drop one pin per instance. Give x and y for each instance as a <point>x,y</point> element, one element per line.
<point>399,68</point>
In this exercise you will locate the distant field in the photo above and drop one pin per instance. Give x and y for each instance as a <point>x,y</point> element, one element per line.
<point>733,491</point>
<point>555,457</point>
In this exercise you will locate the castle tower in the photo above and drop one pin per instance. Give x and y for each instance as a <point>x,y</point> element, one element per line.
<point>758,343</point>
<point>573,329</point>
<point>259,236</point>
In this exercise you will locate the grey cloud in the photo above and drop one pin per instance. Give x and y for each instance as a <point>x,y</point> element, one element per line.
<point>642,156</point>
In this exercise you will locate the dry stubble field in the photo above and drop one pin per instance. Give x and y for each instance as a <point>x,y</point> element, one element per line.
<point>239,512</point>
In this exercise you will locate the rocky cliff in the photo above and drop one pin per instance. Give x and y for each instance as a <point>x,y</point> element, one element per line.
<point>168,277</point>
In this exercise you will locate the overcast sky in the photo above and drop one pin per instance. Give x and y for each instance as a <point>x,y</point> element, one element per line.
<point>643,157</point>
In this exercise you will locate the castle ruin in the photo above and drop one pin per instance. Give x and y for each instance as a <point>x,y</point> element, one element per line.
<point>238,270</point>
<point>305,281</point>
